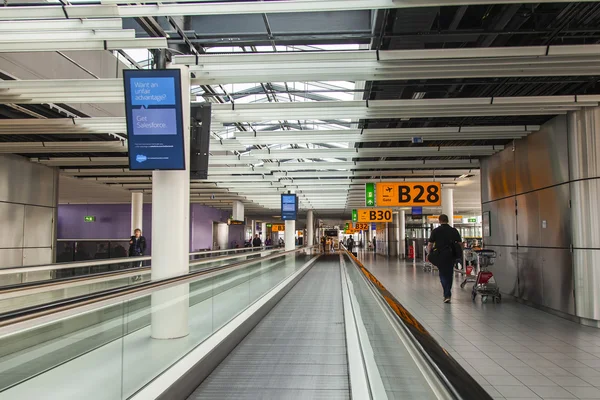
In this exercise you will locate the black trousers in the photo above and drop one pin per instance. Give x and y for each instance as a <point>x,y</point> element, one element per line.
<point>446,279</point>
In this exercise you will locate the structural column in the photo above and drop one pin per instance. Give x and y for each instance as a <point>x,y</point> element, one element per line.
<point>289,235</point>
<point>392,234</point>
<point>310,229</point>
<point>237,211</point>
<point>263,232</point>
<point>137,211</point>
<point>448,203</point>
<point>402,233</point>
<point>171,236</point>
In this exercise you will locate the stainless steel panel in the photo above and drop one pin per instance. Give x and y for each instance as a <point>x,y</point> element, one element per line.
<point>11,257</point>
<point>557,278</point>
<point>585,213</point>
<point>554,209</point>
<point>39,226</point>
<point>498,176</point>
<point>528,219</point>
<point>529,263</point>
<point>24,182</point>
<point>542,158</point>
<point>486,164</point>
<point>584,143</point>
<point>586,276</point>
<point>11,221</point>
<point>503,222</point>
<point>37,256</point>
<point>505,269</point>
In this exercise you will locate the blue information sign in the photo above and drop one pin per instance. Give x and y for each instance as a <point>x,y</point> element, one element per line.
<point>154,117</point>
<point>417,211</point>
<point>289,207</point>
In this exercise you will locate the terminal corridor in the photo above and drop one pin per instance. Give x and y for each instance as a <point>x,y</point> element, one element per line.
<point>513,350</point>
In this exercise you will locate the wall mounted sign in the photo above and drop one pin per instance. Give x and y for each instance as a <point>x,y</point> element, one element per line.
<point>154,116</point>
<point>417,211</point>
<point>289,207</point>
<point>361,226</point>
<point>374,214</point>
<point>278,228</point>
<point>407,194</point>
<point>89,218</point>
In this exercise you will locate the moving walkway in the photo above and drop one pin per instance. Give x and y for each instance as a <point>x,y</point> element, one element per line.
<point>31,286</point>
<point>290,325</point>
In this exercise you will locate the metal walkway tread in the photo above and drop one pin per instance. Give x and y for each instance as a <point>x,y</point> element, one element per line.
<point>298,351</point>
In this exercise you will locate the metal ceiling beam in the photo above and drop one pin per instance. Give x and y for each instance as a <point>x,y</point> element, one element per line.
<point>382,109</point>
<point>108,9</point>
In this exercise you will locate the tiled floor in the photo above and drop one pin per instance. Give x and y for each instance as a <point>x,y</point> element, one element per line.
<point>514,351</point>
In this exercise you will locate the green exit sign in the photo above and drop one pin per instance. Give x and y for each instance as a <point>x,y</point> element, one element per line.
<point>472,219</point>
<point>89,218</point>
<point>269,225</point>
<point>370,194</point>
<point>354,216</point>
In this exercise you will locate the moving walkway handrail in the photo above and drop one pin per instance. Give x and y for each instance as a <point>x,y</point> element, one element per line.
<point>11,322</point>
<point>458,381</point>
<point>102,275</point>
<point>109,261</point>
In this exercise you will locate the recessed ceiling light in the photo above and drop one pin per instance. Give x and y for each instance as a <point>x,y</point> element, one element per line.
<point>418,95</point>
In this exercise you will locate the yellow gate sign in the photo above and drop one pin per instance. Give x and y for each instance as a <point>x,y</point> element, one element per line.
<point>361,226</point>
<point>409,194</point>
<point>278,228</point>
<point>374,215</point>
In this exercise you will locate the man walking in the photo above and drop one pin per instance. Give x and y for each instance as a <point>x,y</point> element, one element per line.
<point>256,242</point>
<point>446,240</point>
<point>350,244</point>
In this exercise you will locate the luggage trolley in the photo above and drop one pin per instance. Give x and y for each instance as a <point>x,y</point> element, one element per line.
<point>470,256</point>
<point>485,284</point>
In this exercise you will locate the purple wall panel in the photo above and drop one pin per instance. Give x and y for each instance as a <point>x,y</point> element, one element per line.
<point>113,222</point>
<point>236,235</point>
<point>201,235</point>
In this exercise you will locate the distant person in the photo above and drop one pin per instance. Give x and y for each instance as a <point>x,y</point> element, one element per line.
<point>268,242</point>
<point>323,242</point>
<point>256,242</point>
<point>448,244</point>
<point>350,243</point>
<point>281,242</point>
<point>374,244</point>
<point>137,244</point>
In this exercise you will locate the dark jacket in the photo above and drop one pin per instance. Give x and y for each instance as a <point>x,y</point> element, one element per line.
<point>445,237</point>
<point>141,245</point>
<point>256,242</point>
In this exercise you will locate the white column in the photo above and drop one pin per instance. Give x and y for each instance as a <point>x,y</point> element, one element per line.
<point>289,235</point>
<point>223,236</point>
<point>137,211</point>
<point>402,235</point>
<point>237,210</point>
<point>171,236</point>
<point>448,203</point>
<point>310,229</point>
<point>253,229</point>
<point>263,231</point>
